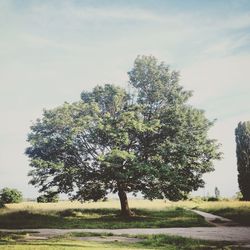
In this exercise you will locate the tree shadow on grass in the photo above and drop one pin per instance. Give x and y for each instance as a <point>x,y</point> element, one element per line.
<point>27,219</point>
<point>240,215</point>
<point>100,218</point>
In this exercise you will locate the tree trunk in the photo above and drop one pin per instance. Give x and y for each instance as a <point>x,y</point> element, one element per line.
<point>125,211</point>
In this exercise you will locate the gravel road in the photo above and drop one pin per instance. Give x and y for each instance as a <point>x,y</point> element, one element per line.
<point>235,234</point>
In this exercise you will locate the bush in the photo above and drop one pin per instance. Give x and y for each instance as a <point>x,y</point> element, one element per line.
<point>196,199</point>
<point>239,196</point>
<point>8,195</point>
<point>41,199</point>
<point>50,196</point>
<point>213,198</point>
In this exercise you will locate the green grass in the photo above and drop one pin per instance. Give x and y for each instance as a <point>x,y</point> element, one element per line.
<point>177,242</point>
<point>240,214</point>
<point>8,237</point>
<point>150,242</point>
<point>238,211</point>
<point>100,218</point>
<point>156,213</point>
<point>65,245</point>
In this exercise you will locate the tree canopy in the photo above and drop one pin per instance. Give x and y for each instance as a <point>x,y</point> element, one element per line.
<point>242,137</point>
<point>147,140</point>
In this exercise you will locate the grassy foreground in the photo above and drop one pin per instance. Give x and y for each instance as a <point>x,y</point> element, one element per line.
<point>149,214</point>
<point>238,211</point>
<point>154,214</point>
<point>16,241</point>
<point>97,218</point>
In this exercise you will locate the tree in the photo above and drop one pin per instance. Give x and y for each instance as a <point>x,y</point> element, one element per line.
<point>242,137</point>
<point>238,196</point>
<point>8,195</point>
<point>217,193</point>
<point>150,141</point>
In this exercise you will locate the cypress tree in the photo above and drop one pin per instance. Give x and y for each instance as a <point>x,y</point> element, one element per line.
<point>242,136</point>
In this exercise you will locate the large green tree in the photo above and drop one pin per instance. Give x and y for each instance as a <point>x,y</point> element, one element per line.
<point>242,136</point>
<point>147,140</point>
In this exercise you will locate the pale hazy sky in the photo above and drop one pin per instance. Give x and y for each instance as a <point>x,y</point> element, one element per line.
<point>52,50</point>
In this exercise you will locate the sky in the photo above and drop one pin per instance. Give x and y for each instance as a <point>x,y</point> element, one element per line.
<point>50,51</point>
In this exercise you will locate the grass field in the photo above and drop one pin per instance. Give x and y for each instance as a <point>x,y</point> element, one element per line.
<point>115,204</point>
<point>72,242</point>
<point>238,211</point>
<point>155,214</point>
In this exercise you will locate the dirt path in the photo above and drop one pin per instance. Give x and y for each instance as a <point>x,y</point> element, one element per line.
<point>216,220</point>
<point>234,234</point>
<point>223,232</point>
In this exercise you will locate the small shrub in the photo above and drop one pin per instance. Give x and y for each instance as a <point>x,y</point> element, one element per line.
<point>41,199</point>
<point>196,199</point>
<point>239,196</point>
<point>9,195</point>
<point>212,198</point>
<point>50,196</point>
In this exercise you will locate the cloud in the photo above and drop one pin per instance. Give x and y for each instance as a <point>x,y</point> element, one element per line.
<point>227,45</point>
<point>218,78</point>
